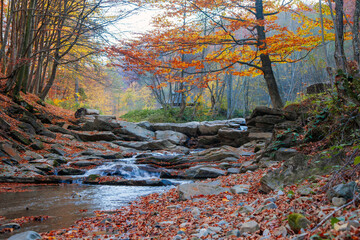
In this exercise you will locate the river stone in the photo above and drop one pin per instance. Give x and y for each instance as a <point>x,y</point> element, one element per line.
<point>174,137</point>
<point>249,227</point>
<point>199,172</point>
<point>191,190</point>
<point>28,235</point>
<point>345,191</point>
<point>10,225</point>
<point>190,129</point>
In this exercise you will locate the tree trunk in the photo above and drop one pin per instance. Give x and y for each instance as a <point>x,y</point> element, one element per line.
<point>51,80</point>
<point>339,54</point>
<point>265,59</point>
<point>356,41</point>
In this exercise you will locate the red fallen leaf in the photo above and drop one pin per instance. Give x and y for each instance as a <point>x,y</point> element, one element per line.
<point>83,210</point>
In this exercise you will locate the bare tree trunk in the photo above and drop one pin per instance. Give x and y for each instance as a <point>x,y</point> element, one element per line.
<point>339,54</point>
<point>356,41</point>
<point>265,59</point>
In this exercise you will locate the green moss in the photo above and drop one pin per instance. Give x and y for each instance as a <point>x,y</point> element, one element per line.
<point>297,221</point>
<point>93,177</point>
<point>56,163</point>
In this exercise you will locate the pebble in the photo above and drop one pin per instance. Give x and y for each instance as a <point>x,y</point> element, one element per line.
<point>337,202</point>
<point>249,227</point>
<point>235,233</point>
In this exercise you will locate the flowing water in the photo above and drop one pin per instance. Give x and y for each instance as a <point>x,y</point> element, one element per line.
<point>65,204</point>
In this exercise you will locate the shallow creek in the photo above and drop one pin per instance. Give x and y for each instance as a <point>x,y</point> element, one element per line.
<point>66,203</point>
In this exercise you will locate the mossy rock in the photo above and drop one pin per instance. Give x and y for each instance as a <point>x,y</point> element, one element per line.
<point>92,177</point>
<point>297,222</point>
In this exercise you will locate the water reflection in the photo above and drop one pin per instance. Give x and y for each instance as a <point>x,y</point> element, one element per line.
<point>63,203</point>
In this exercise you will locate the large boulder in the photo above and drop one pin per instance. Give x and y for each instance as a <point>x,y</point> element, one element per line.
<point>172,136</point>
<point>132,129</point>
<point>190,129</point>
<point>208,141</point>
<point>81,112</point>
<point>191,190</point>
<point>345,191</point>
<point>298,168</point>
<point>233,137</point>
<point>210,128</point>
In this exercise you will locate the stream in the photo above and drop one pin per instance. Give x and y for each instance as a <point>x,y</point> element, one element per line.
<point>66,203</point>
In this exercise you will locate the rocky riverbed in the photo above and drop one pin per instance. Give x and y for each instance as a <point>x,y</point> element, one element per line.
<point>254,167</point>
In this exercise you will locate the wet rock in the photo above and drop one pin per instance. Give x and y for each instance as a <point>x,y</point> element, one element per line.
<point>191,190</point>
<point>10,225</point>
<point>127,182</point>
<point>345,191</point>
<point>28,235</point>
<point>249,227</point>
<point>172,136</point>
<point>70,171</point>
<point>86,163</point>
